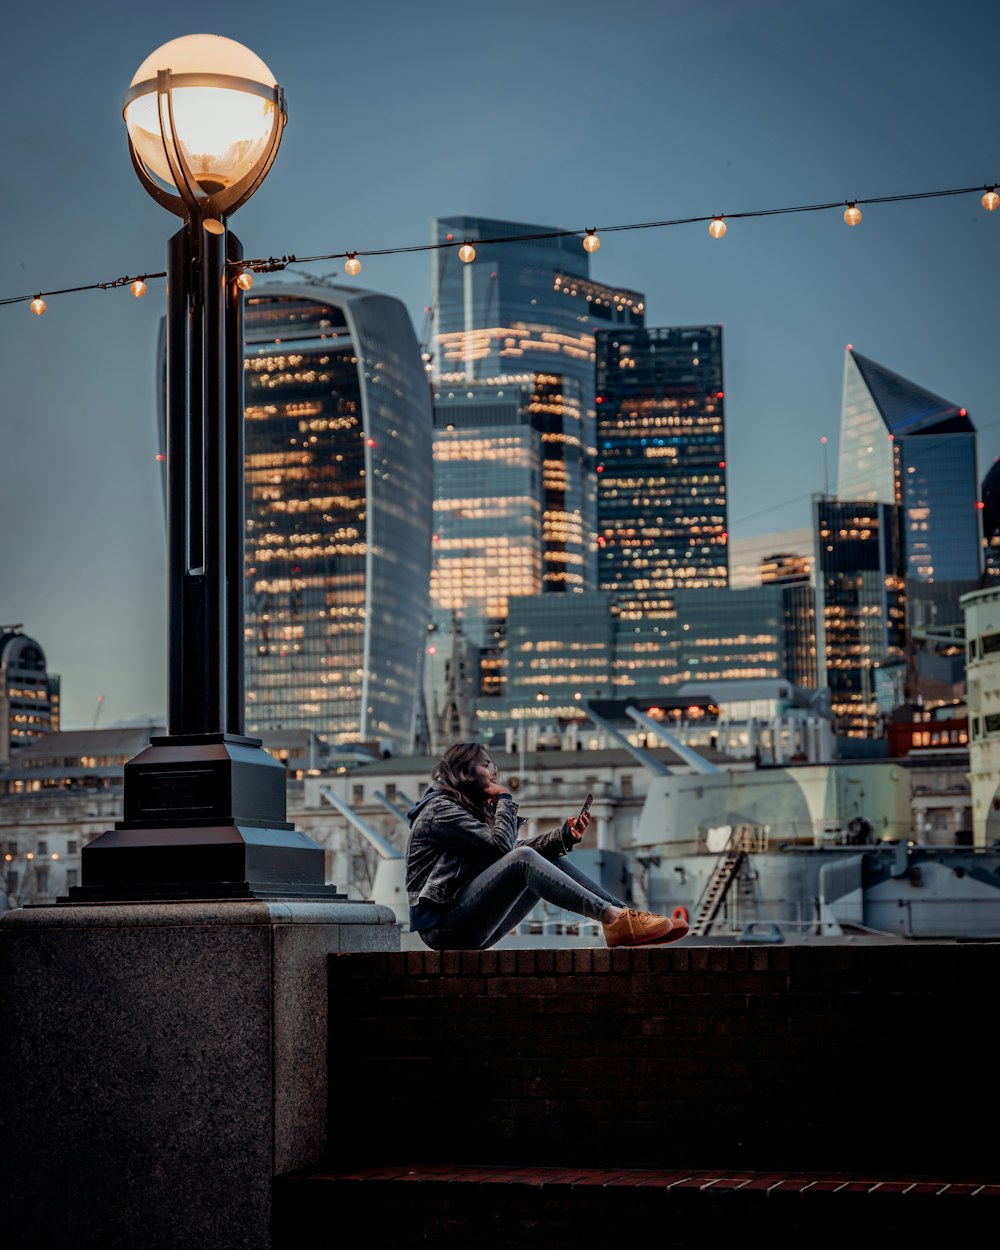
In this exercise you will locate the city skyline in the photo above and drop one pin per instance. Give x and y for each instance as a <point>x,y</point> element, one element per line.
<point>566,117</point>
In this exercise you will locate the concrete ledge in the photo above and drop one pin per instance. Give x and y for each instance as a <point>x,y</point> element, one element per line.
<point>223,912</point>
<point>163,1063</point>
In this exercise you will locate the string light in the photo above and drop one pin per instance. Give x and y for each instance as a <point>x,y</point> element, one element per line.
<point>138,288</point>
<point>852,214</point>
<point>244,280</point>
<point>717,228</point>
<point>591,242</point>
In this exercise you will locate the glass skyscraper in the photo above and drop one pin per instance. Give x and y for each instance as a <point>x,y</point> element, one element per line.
<point>901,444</point>
<point>661,503</point>
<point>860,606</point>
<point>991,523</point>
<point>514,391</point>
<point>338,513</point>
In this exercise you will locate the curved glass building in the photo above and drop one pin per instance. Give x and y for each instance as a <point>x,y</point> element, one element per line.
<point>339,491</point>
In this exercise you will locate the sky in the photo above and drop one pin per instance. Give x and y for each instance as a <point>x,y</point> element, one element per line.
<point>564,113</point>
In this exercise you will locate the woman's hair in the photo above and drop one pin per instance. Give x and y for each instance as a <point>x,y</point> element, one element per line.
<point>457,776</point>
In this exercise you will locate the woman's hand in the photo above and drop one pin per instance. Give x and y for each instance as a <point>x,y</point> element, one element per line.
<point>578,825</point>
<point>493,790</point>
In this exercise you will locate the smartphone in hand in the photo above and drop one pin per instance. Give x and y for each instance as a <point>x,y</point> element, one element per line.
<point>586,805</point>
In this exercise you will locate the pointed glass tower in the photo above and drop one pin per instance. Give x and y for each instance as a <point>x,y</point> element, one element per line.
<point>905,445</point>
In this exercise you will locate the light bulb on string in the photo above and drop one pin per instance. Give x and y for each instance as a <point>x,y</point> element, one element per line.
<point>138,288</point>
<point>38,305</point>
<point>852,214</point>
<point>991,201</point>
<point>466,253</point>
<point>717,228</point>
<point>352,265</point>
<point>591,242</point>
<point>244,279</point>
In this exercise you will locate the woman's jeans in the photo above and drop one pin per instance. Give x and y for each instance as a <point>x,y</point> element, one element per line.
<point>496,901</point>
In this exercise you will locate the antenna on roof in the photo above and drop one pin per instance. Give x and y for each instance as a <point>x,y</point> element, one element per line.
<point>97,710</point>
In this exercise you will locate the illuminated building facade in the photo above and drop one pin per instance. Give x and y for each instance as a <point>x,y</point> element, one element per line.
<point>901,444</point>
<point>661,503</point>
<point>339,483</point>
<point>514,347</point>
<point>860,606</point>
<point>29,696</point>
<point>488,500</point>
<point>561,655</point>
<point>991,523</point>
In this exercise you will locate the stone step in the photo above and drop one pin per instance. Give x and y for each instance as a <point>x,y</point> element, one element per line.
<point>564,1208</point>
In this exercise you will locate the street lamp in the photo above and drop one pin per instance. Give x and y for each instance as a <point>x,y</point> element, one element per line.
<point>204,805</point>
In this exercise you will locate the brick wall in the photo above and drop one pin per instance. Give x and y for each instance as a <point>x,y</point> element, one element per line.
<point>842,1057</point>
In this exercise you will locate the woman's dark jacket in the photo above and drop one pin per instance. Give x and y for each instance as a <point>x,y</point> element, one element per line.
<point>448,846</point>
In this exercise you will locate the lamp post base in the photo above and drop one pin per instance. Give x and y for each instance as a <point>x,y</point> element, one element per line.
<point>204,819</point>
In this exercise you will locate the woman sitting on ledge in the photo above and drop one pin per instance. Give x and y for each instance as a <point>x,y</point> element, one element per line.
<point>470,882</point>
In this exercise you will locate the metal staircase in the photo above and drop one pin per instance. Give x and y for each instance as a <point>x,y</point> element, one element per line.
<point>719,884</point>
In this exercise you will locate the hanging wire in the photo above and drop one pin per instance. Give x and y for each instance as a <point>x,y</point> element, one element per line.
<point>273,264</point>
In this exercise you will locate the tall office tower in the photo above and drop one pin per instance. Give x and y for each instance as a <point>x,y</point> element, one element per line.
<point>991,524</point>
<point>901,444</point>
<point>514,376</point>
<point>798,605</point>
<point>338,513</point>
<point>860,605</point>
<point>661,503</point>
<point>29,696</point>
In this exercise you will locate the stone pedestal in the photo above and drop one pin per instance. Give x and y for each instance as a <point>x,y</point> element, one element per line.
<point>162,1063</point>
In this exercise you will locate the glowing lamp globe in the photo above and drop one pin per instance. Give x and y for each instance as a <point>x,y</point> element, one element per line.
<point>991,201</point>
<point>717,228</point>
<point>852,214</point>
<point>352,265</point>
<point>204,118</point>
<point>244,280</point>
<point>591,242</point>
<point>466,253</point>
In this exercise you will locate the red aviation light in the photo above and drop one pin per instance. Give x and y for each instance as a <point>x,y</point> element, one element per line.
<point>962,412</point>
<point>369,442</point>
<point>600,468</point>
<point>980,504</point>
<point>722,464</point>
<point>450,237</point>
<point>719,394</point>
<point>599,399</point>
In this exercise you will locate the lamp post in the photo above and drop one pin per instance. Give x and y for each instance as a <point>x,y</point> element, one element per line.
<point>204,805</point>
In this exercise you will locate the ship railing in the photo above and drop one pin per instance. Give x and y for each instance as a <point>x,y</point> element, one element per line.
<point>746,839</point>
